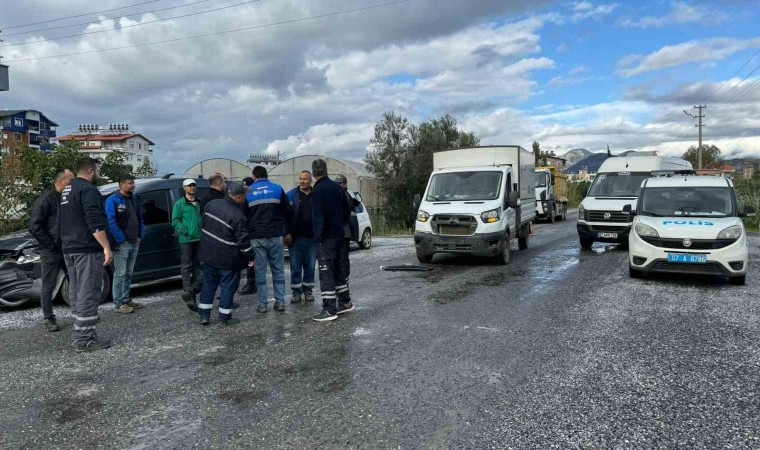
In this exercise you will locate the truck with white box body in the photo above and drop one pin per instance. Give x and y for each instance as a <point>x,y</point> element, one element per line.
<point>477,201</point>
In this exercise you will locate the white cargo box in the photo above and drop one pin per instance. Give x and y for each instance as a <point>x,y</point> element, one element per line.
<point>482,156</point>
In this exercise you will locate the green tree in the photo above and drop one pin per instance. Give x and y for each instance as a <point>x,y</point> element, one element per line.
<point>536,152</point>
<point>710,156</point>
<point>402,158</point>
<point>146,169</point>
<point>113,166</point>
<point>15,191</point>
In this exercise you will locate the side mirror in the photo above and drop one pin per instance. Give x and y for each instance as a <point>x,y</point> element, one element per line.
<point>543,195</point>
<point>358,196</point>
<point>512,199</point>
<point>749,211</point>
<point>627,209</point>
<point>417,201</point>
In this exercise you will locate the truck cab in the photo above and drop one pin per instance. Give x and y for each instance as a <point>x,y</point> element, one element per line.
<point>617,185</point>
<point>477,201</point>
<point>551,194</point>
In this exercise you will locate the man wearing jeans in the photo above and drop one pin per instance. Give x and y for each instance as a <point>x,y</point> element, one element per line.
<point>303,253</point>
<point>126,229</point>
<point>86,251</point>
<point>43,225</point>
<point>269,216</point>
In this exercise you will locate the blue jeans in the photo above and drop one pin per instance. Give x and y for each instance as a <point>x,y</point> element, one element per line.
<point>303,256</point>
<point>271,252</point>
<point>123,265</point>
<point>213,278</point>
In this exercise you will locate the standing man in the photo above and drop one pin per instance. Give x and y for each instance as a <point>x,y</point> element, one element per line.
<point>218,185</point>
<point>86,252</point>
<point>126,230</point>
<point>303,251</point>
<point>330,215</point>
<point>43,225</point>
<point>269,217</point>
<point>250,272</point>
<point>186,219</point>
<point>225,249</point>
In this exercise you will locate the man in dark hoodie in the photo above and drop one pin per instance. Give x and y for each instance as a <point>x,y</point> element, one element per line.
<point>86,252</point>
<point>43,225</point>
<point>218,184</point>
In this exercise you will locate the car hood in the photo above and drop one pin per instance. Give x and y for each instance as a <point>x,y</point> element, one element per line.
<point>16,242</point>
<point>689,227</point>
<point>474,207</point>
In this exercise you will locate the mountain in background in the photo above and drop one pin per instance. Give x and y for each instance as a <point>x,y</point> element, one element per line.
<point>575,155</point>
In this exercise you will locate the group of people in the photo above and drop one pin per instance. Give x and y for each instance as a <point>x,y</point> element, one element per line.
<point>235,227</point>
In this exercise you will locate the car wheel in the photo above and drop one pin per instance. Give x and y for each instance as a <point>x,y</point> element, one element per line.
<point>423,257</point>
<point>366,241</point>
<point>586,243</point>
<point>105,289</point>
<point>633,273</point>
<point>738,281</point>
<point>14,303</point>
<point>504,254</point>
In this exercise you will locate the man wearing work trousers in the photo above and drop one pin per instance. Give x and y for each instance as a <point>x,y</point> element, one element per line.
<point>350,229</point>
<point>330,214</point>
<point>86,252</point>
<point>269,217</point>
<point>250,272</point>
<point>186,219</point>
<point>303,252</point>
<point>225,249</point>
<point>126,230</point>
<point>43,225</point>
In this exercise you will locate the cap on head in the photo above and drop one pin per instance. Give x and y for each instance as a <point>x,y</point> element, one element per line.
<point>188,182</point>
<point>247,181</point>
<point>341,179</point>
<point>235,188</point>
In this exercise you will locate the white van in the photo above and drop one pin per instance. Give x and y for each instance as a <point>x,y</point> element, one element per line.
<point>689,224</point>
<point>617,184</point>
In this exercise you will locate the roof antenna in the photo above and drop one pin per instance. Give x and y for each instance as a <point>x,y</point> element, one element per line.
<point>626,160</point>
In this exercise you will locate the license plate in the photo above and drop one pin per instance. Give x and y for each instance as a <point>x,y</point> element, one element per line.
<point>607,235</point>
<point>687,258</point>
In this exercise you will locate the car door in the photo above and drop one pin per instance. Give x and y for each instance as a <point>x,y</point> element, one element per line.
<point>159,255</point>
<point>362,219</point>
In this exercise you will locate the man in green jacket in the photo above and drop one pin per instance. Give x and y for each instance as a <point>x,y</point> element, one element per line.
<point>186,219</point>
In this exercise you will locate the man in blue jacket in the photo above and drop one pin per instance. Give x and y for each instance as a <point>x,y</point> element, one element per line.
<point>269,218</point>
<point>330,214</point>
<point>303,252</point>
<point>126,229</point>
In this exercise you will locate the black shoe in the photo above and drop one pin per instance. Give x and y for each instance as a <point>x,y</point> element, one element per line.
<point>205,321</point>
<point>345,307</point>
<point>51,325</point>
<point>296,298</point>
<point>229,322</point>
<point>93,346</point>
<point>247,289</point>
<point>308,297</point>
<point>235,305</point>
<point>279,306</point>
<point>261,308</point>
<point>192,307</point>
<point>324,316</point>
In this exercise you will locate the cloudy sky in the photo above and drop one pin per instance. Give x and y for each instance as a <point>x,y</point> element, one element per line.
<point>313,76</point>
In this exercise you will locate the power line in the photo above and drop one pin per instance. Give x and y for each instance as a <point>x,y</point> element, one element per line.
<point>79,15</point>
<point>742,80</point>
<point>108,18</point>
<point>131,26</point>
<point>269,25</point>
<point>710,96</point>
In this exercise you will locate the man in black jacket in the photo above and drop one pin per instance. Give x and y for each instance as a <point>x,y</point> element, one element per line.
<point>225,249</point>
<point>250,272</point>
<point>218,185</point>
<point>43,225</point>
<point>330,212</point>
<point>86,252</point>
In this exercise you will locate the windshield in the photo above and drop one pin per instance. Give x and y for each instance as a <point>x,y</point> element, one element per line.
<point>618,184</point>
<point>461,186</point>
<point>687,201</point>
<point>540,179</point>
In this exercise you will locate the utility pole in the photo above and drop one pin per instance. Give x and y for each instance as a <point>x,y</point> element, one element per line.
<point>699,116</point>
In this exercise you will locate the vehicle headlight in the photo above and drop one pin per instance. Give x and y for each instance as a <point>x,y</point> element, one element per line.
<point>581,212</point>
<point>491,216</point>
<point>422,216</point>
<point>646,231</point>
<point>733,232</point>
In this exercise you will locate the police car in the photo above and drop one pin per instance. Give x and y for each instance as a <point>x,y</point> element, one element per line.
<point>688,224</point>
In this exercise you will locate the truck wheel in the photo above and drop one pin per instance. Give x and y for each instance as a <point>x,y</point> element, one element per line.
<point>738,281</point>
<point>552,218</point>
<point>424,258</point>
<point>633,273</point>
<point>504,253</point>
<point>522,242</point>
<point>105,290</point>
<point>586,243</point>
<point>564,212</point>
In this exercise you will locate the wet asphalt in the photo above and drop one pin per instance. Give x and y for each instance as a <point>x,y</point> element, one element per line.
<point>560,349</point>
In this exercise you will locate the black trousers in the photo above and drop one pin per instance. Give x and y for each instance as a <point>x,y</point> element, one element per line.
<point>52,262</point>
<point>191,267</point>
<point>334,269</point>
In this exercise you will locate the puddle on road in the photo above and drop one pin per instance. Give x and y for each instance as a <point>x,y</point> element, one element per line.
<point>605,248</point>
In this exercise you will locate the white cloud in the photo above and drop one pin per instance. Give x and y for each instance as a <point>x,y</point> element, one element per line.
<point>680,13</point>
<point>706,50</point>
<point>351,141</point>
<point>585,10</point>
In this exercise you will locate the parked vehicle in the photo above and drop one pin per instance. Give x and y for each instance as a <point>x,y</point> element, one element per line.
<point>157,261</point>
<point>363,237</point>
<point>477,201</point>
<point>551,194</point>
<point>688,224</point>
<point>617,184</point>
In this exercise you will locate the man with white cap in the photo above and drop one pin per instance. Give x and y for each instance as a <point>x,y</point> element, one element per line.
<point>186,219</point>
